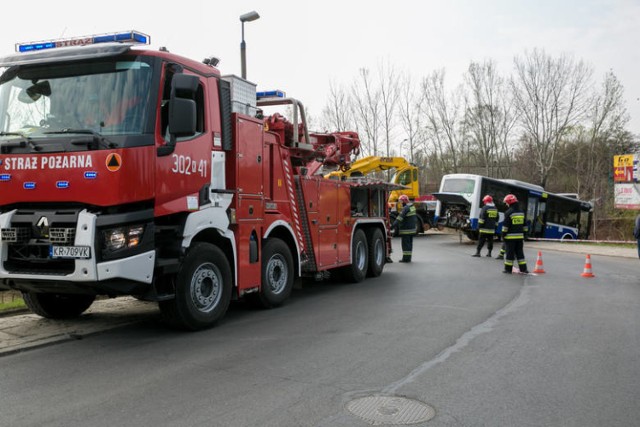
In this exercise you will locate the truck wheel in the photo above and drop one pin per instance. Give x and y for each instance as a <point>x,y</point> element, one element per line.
<point>357,271</point>
<point>277,275</point>
<point>377,252</point>
<point>203,289</point>
<point>57,306</point>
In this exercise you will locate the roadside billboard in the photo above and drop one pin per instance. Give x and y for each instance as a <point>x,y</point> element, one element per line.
<point>627,196</point>
<point>625,178</point>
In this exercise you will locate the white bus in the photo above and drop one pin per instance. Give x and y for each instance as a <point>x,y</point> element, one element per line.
<point>548,215</point>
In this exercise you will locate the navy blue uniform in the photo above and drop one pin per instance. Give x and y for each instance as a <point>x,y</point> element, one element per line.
<point>513,230</point>
<point>487,221</point>
<point>407,222</point>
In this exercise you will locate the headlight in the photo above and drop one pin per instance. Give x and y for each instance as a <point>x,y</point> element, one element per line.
<point>123,237</point>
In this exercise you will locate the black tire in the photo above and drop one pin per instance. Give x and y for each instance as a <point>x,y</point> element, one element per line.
<point>277,275</point>
<point>203,289</point>
<point>57,306</point>
<point>377,252</point>
<point>357,271</point>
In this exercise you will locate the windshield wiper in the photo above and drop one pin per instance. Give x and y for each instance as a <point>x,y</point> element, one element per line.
<point>98,139</point>
<point>21,143</point>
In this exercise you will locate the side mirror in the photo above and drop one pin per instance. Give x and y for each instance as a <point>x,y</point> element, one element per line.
<point>182,117</point>
<point>182,110</point>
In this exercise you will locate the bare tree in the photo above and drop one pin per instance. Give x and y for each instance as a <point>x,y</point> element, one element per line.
<point>607,113</point>
<point>602,137</point>
<point>389,101</point>
<point>443,125</point>
<point>489,117</point>
<point>337,114</point>
<point>367,112</point>
<point>410,114</point>
<point>550,96</point>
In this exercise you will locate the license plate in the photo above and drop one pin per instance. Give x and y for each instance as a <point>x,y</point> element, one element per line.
<point>76,252</point>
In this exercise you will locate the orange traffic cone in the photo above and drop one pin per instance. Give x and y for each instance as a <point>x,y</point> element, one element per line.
<point>587,268</point>
<point>539,268</point>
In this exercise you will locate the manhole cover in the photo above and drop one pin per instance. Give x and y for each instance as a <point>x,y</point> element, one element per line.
<point>378,410</point>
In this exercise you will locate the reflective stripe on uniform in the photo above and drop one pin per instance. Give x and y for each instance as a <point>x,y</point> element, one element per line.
<point>518,236</point>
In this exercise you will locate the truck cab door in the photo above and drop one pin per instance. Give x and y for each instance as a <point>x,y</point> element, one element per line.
<point>184,146</point>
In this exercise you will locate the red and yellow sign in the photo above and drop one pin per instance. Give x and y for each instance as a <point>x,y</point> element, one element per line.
<point>623,168</point>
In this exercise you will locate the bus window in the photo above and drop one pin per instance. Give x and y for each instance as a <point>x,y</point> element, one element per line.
<point>532,213</point>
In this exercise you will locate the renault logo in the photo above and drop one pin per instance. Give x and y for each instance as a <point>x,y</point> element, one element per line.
<point>43,226</point>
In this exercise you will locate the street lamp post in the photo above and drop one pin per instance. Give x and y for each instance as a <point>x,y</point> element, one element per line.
<point>247,17</point>
<point>401,144</point>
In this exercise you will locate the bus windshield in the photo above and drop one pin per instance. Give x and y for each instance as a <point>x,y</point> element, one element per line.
<point>458,185</point>
<point>111,96</point>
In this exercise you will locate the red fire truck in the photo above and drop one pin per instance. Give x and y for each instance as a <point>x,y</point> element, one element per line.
<point>130,171</point>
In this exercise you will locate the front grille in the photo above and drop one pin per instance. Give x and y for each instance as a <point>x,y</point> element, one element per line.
<point>62,236</point>
<point>34,259</point>
<point>15,234</point>
<point>30,236</point>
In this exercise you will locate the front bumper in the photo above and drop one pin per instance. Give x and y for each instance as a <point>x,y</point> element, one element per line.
<point>127,275</point>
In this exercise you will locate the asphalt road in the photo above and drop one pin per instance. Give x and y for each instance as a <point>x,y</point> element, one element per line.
<point>449,331</point>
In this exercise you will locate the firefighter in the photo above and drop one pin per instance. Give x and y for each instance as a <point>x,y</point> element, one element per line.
<point>513,231</point>
<point>406,221</point>
<point>487,225</point>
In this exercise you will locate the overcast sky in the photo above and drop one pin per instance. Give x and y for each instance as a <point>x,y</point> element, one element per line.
<point>300,46</point>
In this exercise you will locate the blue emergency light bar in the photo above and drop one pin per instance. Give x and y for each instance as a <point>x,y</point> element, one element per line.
<point>120,37</point>
<point>270,94</point>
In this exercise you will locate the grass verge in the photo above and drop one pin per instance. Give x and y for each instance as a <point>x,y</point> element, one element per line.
<point>10,301</point>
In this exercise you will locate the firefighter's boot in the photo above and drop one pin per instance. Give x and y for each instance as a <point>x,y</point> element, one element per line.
<point>477,254</point>
<point>508,267</point>
<point>489,254</point>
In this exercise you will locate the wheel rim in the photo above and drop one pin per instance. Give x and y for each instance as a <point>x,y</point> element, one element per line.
<point>361,256</point>
<point>277,274</point>
<point>378,252</point>
<point>206,287</point>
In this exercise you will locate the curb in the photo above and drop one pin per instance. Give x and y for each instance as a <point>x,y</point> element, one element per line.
<point>26,331</point>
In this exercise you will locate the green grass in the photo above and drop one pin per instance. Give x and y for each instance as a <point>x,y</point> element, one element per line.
<point>620,245</point>
<point>614,245</point>
<point>11,305</point>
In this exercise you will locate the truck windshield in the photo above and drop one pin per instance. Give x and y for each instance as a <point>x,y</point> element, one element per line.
<point>109,97</point>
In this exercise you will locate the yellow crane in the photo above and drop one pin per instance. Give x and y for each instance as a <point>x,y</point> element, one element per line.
<point>405,174</point>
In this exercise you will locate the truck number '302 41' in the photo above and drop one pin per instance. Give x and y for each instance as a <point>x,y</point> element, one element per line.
<point>187,166</point>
